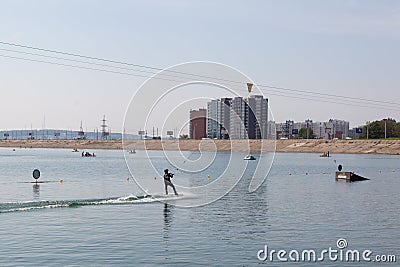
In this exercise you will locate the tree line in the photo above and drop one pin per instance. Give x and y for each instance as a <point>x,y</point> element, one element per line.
<point>376,129</point>
<point>372,130</point>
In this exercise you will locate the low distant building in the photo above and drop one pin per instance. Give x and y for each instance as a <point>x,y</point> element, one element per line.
<point>355,132</point>
<point>271,130</point>
<point>340,128</point>
<point>321,130</point>
<point>285,129</point>
<point>198,124</point>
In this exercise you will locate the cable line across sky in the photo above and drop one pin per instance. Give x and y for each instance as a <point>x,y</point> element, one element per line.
<point>146,71</point>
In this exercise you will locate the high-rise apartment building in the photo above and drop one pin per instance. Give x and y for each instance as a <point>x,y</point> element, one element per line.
<point>238,118</point>
<point>213,118</point>
<point>225,111</point>
<point>257,117</point>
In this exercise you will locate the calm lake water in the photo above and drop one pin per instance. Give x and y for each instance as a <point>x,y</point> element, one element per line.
<point>97,217</point>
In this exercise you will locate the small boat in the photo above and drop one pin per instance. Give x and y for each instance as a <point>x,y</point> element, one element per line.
<point>75,150</point>
<point>88,154</point>
<point>325,155</point>
<point>249,157</point>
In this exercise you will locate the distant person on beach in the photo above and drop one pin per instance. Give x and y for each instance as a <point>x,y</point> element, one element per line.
<point>167,181</point>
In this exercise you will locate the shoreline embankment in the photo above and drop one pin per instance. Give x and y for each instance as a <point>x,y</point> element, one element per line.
<point>390,147</point>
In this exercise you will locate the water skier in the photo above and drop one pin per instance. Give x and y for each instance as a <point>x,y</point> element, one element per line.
<point>167,181</point>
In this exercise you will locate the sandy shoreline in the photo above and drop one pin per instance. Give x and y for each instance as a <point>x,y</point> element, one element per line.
<point>391,147</point>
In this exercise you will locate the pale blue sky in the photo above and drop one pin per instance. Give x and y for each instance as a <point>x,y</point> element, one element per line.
<point>346,48</point>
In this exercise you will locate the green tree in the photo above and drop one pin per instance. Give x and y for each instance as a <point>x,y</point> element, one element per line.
<point>303,133</point>
<point>376,129</point>
<point>396,130</point>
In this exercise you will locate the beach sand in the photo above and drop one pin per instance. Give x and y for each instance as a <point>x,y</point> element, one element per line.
<point>295,146</point>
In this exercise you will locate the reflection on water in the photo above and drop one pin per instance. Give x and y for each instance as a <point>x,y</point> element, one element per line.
<point>36,191</point>
<point>168,217</point>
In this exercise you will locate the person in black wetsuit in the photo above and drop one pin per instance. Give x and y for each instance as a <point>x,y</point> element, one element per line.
<point>167,181</point>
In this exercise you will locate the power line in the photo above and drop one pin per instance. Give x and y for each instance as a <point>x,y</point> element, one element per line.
<point>329,95</point>
<point>299,95</point>
<point>302,93</point>
<point>332,99</point>
<point>105,65</point>
<point>78,55</point>
<point>338,103</point>
<point>295,95</point>
<point>106,60</point>
<point>85,62</point>
<point>81,67</point>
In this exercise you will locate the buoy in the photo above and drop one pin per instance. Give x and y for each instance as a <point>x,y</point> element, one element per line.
<point>208,176</point>
<point>61,180</point>
<point>127,178</point>
<point>36,174</point>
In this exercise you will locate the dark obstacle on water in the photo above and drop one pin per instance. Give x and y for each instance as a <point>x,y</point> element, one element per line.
<point>348,176</point>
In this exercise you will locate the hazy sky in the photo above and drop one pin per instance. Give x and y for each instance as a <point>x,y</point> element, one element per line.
<point>348,48</point>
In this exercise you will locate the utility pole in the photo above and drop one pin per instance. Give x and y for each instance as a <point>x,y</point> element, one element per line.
<point>385,129</point>
<point>44,125</point>
<point>104,128</point>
